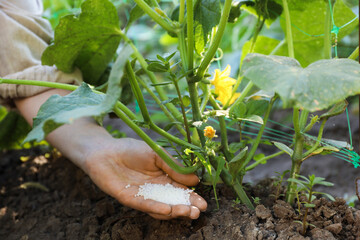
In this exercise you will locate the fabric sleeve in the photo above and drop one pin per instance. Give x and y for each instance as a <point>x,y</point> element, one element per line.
<point>24,35</point>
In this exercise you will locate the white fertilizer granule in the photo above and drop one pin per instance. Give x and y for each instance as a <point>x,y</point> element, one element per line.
<point>165,193</point>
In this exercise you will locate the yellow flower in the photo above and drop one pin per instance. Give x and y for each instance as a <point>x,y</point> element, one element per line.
<point>209,132</point>
<point>224,86</point>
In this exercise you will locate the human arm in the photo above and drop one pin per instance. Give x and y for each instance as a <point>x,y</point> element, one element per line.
<point>113,164</point>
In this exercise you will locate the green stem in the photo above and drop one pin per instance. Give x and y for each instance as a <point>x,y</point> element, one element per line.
<point>181,11</point>
<point>259,26</point>
<point>63,86</point>
<point>137,92</point>
<point>303,119</point>
<point>151,75</point>
<point>195,108</point>
<point>227,179</point>
<point>162,107</point>
<point>263,160</point>
<point>296,158</point>
<point>206,96</point>
<point>182,50</point>
<point>169,161</point>
<point>243,94</point>
<point>258,137</point>
<point>223,130</point>
<point>354,54</point>
<point>186,124</point>
<point>289,38</point>
<point>172,137</point>
<point>155,16</point>
<point>216,42</point>
<point>190,34</point>
<point>327,35</point>
<point>313,148</point>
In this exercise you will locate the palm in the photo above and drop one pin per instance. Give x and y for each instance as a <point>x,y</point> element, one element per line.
<point>126,164</point>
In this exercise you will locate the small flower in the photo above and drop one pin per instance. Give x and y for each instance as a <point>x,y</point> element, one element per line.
<point>224,86</point>
<point>209,132</point>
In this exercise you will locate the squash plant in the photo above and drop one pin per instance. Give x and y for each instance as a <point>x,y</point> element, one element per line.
<point>89,42</point>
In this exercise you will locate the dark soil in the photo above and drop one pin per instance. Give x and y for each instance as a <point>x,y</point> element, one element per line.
<point>74,208</point>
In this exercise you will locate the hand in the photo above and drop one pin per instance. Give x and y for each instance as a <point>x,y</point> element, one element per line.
<point>132,162</point>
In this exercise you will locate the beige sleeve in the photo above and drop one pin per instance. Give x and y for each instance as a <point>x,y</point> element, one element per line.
<point>24,35</point>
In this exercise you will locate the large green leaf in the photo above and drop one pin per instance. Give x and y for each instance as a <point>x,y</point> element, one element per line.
<point>308,27</point>
<point>83,102</point>
<point>263,45</point>
<point>87,42</point>
<point>13,129</point>
<point>316,87</point>
<point>207,15</point>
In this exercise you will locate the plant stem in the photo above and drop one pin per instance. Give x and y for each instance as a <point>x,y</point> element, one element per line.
<point>223,130</point>
<point>137,92</point>
<point>296,159</point>
<point>261,161</point>
<point>190,34</point>
<point>243,94</point>
<point>206,96</point>
<point>169,161</point>
<point>327,35</point>
<point>303,119</point>
<point>151,75</point>
<point>305,223</point>
<point>321,130</point>
<point>259,26</point>
<point>216,42</point>
<point>181,11</point>
<point>171,137</point>
<point>182,50</point>
<point>227,179</point>
<point>186,124</point>
<point>155,16</point>
<point>195,108</point>
<point>162,107</point>
<point>258,137</point>
<point>289,38</point>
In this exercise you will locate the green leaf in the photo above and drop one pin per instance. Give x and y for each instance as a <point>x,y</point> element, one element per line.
<point>238,110</point>
<point>252,118</point>
<point>87,42</point>
<point>83,102</point>
<point>236,146</point>
<point>157,67</point>
<point>337,109</point>
<point>58,110</point>
<point>309,16</point>
<point>309,205</point>
<point>207,15</point>
<point>259,157</point>
<point>315,87</point>
<point>284,148</point>
<point>186,100</point>
<point>13,129</point>
<point>264,45</point>
<point>235,163</point>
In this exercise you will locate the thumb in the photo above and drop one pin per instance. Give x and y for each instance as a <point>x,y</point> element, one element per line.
<point>185,179</point>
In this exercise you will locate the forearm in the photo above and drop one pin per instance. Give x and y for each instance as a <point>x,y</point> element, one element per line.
<point>72,140</point>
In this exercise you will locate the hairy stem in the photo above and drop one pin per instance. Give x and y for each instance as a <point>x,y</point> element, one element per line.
<point>190,34</point>
<point>169,161</point>
<point>289,38</point>
<point>216,42</point>
<point>166,24</point>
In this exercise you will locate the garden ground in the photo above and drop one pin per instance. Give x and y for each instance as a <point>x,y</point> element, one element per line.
<point>74,208</point>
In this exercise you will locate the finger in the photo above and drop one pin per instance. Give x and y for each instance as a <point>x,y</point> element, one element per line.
<point>195,199</point>
<point>186,179</point>
<point>179,211</point>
